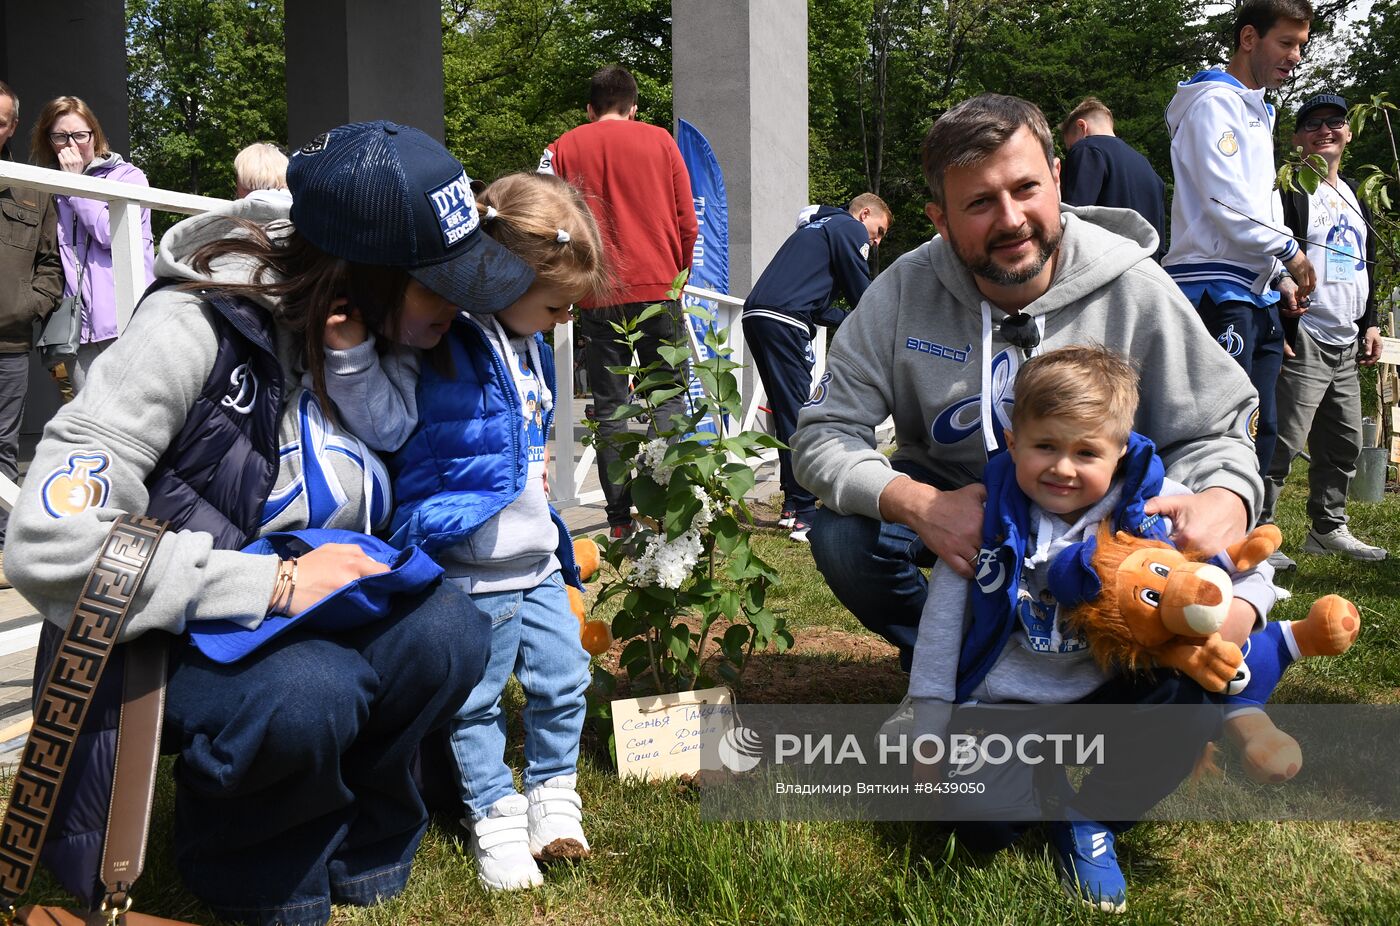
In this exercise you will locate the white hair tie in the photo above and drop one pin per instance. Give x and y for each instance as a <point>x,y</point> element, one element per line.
<point>491,213</point>
<point>562,236</point>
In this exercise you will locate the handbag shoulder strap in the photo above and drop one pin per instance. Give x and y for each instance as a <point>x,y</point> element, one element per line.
<point>82,257</point>
<point>66,694</point>
<point>134,773</point>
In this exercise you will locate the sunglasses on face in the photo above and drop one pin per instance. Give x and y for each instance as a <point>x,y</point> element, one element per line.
<point>1317,122</point>
<point>60,139</point>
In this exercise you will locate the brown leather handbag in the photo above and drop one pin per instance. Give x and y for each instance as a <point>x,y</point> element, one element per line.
<point>62,704</point>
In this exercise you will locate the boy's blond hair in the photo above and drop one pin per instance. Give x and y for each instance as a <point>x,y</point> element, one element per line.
<point>1090,385</point>
<point>533,212</point>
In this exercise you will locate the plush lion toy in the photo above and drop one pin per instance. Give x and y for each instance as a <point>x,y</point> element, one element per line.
<point>1158,606</point>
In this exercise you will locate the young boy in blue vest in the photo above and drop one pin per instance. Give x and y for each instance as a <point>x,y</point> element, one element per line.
<point>471,485</point>
<point>1072,461</point>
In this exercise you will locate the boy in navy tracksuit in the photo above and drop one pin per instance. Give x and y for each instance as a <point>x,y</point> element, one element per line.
<point>829,251</point>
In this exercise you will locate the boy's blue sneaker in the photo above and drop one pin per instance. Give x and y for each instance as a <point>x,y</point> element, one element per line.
<point>1088,864</point>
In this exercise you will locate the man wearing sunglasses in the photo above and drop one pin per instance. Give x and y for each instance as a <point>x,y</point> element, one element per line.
<point>1230,252</point>
<point>1319,397</point>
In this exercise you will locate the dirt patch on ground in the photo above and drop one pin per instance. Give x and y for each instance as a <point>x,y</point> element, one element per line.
<point>824,666</point>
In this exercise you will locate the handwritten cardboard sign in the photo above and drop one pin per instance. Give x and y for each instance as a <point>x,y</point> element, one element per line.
<point>667,735</point>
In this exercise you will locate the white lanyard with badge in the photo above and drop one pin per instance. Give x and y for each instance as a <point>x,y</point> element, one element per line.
<point>1344,249</point>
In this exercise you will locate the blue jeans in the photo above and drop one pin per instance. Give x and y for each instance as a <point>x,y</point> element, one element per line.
<point>873,568</point>
<point>293,785</point>
<point>535,636</point>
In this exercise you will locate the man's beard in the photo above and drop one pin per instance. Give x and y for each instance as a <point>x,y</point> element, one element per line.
<point>983,266</point>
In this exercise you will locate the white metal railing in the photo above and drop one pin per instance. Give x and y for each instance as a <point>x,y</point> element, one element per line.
<point>126,201</point>
<point>124,204</point>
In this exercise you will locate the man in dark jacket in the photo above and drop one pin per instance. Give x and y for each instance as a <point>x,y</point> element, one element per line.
<point>1318,395</point>
<point>1100,169</point>
<point>32,277</point>
<point>828,255</point>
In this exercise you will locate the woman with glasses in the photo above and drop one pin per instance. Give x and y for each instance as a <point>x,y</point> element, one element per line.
<point>68,137</point>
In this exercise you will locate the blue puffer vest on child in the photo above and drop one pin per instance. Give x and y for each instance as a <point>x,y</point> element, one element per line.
<point>467,459</point>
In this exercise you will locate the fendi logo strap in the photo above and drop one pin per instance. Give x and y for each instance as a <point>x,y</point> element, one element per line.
<point>67,691</point>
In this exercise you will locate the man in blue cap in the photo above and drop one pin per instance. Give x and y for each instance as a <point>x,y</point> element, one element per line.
<point>1318,395</point>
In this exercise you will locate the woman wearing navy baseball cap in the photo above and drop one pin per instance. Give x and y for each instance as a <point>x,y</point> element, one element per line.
<point>293,785</point>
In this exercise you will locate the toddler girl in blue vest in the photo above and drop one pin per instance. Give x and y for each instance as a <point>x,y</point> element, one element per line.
<point>469,421</point>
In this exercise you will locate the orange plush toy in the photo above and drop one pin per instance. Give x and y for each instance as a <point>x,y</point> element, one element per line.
<point>1158,606</point>
<point>1269,754</point>
<point>596,636</point>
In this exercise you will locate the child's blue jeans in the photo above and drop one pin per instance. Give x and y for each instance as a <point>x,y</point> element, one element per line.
<point>535,636</point>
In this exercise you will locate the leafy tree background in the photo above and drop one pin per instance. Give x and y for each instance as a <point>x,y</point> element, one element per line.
<point>208,76</point>
<point>205,78</point>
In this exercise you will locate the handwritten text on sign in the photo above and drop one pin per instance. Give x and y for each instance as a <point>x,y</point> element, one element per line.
<point>667,735</point>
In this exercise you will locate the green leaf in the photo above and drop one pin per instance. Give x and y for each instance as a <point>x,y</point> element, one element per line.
<point>673,354</point>
<point>662,396</point>
<point>681,509</point>
<point>634,653</point>
<point>734,640</point>
<point>648,496</point>
<point>678,641</point>
<point>727,533</point>
<point>764,623</point>
<point>627,410</point>
<point>738,480</point>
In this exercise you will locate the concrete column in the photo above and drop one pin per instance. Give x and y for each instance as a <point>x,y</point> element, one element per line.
<point>357,60</point>
<point>739,74</point>
<point>75,48</point>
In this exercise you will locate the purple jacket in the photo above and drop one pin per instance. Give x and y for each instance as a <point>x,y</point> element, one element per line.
<point>93,243</point>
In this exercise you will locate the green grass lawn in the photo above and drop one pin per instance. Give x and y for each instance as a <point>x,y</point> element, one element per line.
<point>654,862</point>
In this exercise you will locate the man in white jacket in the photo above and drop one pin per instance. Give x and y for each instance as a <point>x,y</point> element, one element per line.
<point>1231,253</point>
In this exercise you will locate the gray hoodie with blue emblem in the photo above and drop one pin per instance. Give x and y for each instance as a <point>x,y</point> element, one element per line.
<point>924,348</point>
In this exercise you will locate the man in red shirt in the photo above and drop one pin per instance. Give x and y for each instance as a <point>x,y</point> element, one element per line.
<point>639,191</point>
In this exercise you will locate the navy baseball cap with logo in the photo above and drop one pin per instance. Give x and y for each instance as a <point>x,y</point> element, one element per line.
<point>1321,101</point>
<point>385,194</point>
<point>355,604</point>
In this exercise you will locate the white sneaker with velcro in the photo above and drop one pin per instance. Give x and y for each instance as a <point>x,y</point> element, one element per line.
<point>501,844</point>
<point>556,820</point>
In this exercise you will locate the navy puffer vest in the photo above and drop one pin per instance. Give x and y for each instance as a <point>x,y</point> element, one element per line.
<point>217,473</point>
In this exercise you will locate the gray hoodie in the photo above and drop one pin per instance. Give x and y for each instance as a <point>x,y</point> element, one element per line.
<point>925,348</point>
<point>97,452</point>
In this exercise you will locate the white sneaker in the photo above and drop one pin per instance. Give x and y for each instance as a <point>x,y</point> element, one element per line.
<point>1342,542</point>
<point>1281,561</point>
<point>501,844</point>
<point>556,820</point>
